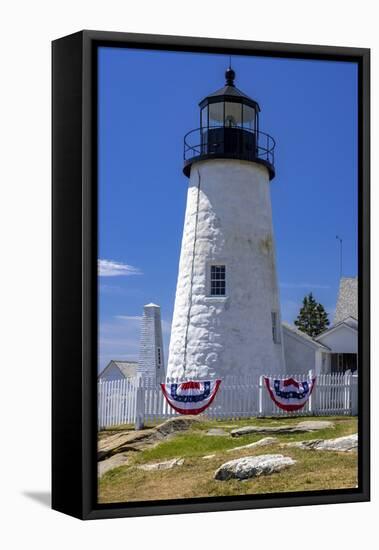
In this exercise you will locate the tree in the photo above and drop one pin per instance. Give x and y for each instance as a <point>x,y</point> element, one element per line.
<point>312,318</point>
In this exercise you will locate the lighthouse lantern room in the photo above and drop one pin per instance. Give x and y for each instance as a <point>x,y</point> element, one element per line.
<point>229,128</point>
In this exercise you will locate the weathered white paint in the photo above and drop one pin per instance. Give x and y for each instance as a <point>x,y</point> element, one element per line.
<point>228,221</point>
<point>151,360</point>
<point>340,339</point>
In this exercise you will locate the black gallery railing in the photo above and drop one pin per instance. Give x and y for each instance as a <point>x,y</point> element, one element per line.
<point>231,142</point>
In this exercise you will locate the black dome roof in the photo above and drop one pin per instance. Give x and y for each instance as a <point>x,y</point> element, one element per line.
<point>229,92</point>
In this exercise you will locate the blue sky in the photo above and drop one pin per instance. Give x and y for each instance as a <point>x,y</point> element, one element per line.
<point>148,100</point>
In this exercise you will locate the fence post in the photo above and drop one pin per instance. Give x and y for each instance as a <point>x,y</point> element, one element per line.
<point>310,408</point>
<point>346,393</point>
<point>354,395</point>
<point>100,401</point>
<point>140,404</point>
<point>260,396</point>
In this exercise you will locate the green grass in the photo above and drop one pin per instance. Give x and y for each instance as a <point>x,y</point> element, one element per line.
<point>197,443</point>
<point>314,470</point>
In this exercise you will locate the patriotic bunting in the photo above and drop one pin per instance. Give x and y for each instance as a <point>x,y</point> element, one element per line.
<point>191,397</point>
<point>289,394</point>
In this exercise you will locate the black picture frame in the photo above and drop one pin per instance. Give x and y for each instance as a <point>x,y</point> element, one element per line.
<point>74,272</point>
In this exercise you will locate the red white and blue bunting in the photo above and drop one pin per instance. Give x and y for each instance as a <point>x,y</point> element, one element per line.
<point>289,394</point>
<point>191,397</point>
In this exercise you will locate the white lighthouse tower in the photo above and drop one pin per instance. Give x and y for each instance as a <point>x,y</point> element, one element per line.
<point>227,312</point>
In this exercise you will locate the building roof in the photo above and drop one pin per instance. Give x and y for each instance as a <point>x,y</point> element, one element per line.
<point>127,368</point>
<point>303,335</point>
<point>350,323</point>
<point>353,323</point>
<point>229,90</point>
<point>347,302</point>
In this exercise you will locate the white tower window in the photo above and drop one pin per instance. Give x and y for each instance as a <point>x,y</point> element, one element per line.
<point>275,327</point>
<point>218,280</point>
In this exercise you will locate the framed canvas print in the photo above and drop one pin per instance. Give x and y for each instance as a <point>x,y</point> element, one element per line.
<point>210,274</point>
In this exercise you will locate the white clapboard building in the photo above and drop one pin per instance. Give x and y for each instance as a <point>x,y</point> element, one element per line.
<point>118,370</point>
<point>336,349</point>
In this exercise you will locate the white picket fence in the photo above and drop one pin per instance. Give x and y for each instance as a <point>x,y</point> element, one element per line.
<point>137,400</point>
<point>117,402</point>
<point>333,394</point>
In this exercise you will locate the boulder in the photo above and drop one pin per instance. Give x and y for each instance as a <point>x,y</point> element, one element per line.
<point>341,444</point>
<point>217,432</point>
<point>177,424</point>
<point>111,463</point>
<point>246,430</point>
<point>125,441</point>
<point>260,443</point>
<point>316,424</point>
<point>302,427</point>
<point>252,466</point>
<point>166,465</point>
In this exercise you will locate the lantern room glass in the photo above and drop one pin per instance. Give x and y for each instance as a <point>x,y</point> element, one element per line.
<point>248,117</point>
<point>204,127</point>
<point>216,114</point>
<point>204,117</point>
<point>228,114</point>
<point>233,115</point>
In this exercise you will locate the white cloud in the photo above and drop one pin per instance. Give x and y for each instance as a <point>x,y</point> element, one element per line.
<point>110,268</point>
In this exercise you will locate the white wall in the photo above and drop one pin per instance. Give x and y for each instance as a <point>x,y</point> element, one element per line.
<point>300,357</point>
<point>341,340</point>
